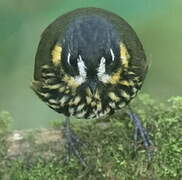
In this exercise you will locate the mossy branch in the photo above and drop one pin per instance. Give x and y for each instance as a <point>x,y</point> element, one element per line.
<point>41,143</point>
<point>37,154</point>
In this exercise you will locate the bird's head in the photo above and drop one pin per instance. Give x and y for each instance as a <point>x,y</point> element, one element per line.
<point>91,54</point>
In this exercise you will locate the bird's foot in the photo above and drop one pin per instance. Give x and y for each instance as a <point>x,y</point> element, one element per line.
<point>140,133</point>
<point>72,146</point>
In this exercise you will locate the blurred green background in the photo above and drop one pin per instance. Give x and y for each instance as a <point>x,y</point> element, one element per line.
<point>157,22</point>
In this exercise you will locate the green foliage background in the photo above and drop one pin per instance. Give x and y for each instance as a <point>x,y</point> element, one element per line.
<point>157,22</point>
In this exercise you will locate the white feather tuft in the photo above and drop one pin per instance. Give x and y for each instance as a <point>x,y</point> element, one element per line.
<point>101,71</point>
<point>82,71</point>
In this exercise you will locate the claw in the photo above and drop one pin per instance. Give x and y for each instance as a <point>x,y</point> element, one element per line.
<point>140,132</point>
<point>73,144</point>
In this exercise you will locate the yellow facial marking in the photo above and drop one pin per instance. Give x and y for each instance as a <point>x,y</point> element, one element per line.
<point>115,77</point>
<point>113,96</point>
<point>56,54</point>
<point>124,55</point>
<point>70,81</point>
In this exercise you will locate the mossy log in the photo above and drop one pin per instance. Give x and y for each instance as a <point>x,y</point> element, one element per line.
<point>41,142</point>
<point>37,154</point>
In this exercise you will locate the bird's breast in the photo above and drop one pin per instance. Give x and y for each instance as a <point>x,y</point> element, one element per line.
<point>62,95</point>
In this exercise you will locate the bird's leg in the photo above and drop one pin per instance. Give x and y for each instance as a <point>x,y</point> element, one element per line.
<point>140,132</point>
<point>72,143</point>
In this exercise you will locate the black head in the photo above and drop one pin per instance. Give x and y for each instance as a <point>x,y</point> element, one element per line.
<point>90,50</point>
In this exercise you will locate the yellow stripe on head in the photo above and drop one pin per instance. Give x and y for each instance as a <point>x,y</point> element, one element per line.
<point>124,55</point>
<point>56,54</point>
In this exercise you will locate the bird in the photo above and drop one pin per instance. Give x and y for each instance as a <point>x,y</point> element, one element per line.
<point>89,64</point>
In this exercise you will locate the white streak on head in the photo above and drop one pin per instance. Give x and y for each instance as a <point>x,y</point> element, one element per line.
<point>102,67</point>
<point>81,66</point>
<point>82,71</point>
<point>68,58</point>
<point>112,54</point>
<point>101,71</point>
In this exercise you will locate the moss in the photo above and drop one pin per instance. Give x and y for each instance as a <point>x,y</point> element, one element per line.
<point>56,124</point>
<point>5,120</point>
<point>110,153</point>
